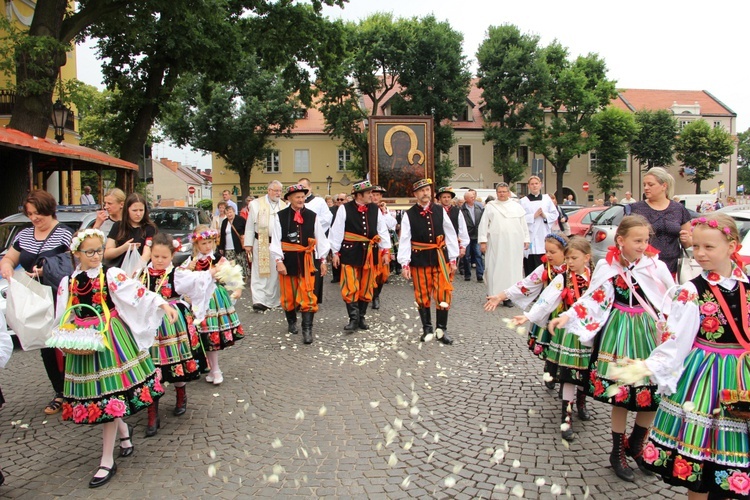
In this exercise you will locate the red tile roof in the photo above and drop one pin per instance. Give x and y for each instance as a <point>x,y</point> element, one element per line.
<point>640,99</point>
<point>18,140</point>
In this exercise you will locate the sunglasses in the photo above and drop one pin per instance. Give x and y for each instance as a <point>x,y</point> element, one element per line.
<point>340,199</point>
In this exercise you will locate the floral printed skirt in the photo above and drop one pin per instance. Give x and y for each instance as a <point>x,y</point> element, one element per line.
<point>222,327</point>
<point>109,384</point>
<point>702,448</point>
<point>628,333</point>
<point>540,338</point>
<point>568,359</point>
<point>172,351</point>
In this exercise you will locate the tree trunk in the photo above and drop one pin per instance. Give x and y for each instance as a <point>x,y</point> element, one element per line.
<point>560,170</point>
<point>697,186</point>
<point>37,70</point>
<point>243,171</point>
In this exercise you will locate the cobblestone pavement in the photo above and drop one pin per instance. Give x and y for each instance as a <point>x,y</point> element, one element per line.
<point>373,414</point>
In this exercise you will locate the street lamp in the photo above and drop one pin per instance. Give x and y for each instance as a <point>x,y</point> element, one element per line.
<point>329,180</point>
<point>59,117</point>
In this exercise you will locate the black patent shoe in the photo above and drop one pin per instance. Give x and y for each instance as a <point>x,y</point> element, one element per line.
<point>100,481</point>
<point>2,478</point>
<point>126,452</point>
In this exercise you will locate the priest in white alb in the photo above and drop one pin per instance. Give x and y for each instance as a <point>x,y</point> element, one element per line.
<point>264,280</point>
<point>503,235</point>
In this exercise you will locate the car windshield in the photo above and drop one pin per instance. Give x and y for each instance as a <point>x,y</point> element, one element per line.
<point>177,221</point>
<point>743,225</point>
<point>610,217</point>
<point>7,233</point>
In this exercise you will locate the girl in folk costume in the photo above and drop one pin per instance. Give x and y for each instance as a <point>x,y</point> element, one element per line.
<point>567,359</point>
<point>119,379</point>
<point>528,289</point>
<point>617,315</point>
<point>698,439</point>
<point>172,350</point>
<point>221,327</point>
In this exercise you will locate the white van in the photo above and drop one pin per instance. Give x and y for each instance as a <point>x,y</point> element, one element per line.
<point>693,201</point>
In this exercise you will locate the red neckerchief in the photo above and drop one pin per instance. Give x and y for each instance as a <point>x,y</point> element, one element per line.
<point>156,272</point>
<point>426,210</point>
<point>743,337</point>
<point>361,208</point>
<point>298,216</point>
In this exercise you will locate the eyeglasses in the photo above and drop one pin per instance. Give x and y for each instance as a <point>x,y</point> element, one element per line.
<point>340,199</point>
<point>97,251</point>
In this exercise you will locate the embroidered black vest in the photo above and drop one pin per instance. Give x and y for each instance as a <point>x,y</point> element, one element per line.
<point>294,261</point>
<point>426,229</point>
<point>364,223</point>
<point>714,328</point>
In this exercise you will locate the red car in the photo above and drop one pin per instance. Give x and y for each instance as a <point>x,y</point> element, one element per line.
<point>580,220</point>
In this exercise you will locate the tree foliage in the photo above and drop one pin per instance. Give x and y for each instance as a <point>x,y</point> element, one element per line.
<point>574,92</point>
<point>654,144</point>
<point>703,149</point>
<point>612,131</point>
<point>420,59</point>
<point>512,76</point>
<point>743,148</point>
<point>235,120</point>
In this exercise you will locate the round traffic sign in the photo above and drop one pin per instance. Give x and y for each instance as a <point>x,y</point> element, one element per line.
<point>191,190</point>
<point>585,186</point>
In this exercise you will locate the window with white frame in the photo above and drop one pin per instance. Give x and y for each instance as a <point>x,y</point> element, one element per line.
<point>684,123</point>
<point>464,156</point>
<point>302,160</point>
<point>717,124</point>
<point>345,158</point>
<point>625,166</point>
<point>272,162</point>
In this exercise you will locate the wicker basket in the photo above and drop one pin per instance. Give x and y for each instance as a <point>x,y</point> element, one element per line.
<point>58,333</point>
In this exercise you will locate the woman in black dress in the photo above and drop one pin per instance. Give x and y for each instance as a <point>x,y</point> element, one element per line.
<point>135,228</point>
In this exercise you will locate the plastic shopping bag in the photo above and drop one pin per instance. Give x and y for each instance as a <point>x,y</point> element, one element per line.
<point>30,311</point>
<point>132,263</point>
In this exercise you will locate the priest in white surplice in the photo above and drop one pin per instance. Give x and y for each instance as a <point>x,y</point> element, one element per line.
<point>503,235</point>
<point>264,280</point>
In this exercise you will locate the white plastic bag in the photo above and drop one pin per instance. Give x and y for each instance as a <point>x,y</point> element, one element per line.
<point>132,263</point>
<point>6,343</point>
<point>688,268</point>
<point>30,311</point>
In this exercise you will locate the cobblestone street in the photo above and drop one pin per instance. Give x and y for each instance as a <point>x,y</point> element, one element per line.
<point>373,414</point>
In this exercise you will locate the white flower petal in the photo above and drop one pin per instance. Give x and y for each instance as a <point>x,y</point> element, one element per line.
<point>565,426</point>
<point>547,377</point>
<point>555,489</point>
<point>374,404</point>
<point>450,482</point>
<point>322,411</point>
<point>516,463</point>
<point>300,415</point>
<point>273,479</point>
<point>428,337</point>
<point>439,333</point>
<point>392,460</point>
<point>444,305</point>
<point>212,454</point>
<point>540,481</point>
<point>517,491</point>
<point>689,406</point>
<point>276,443</point>
<point>211,470</point>
<point>457,468</point>
<point>406,482</point>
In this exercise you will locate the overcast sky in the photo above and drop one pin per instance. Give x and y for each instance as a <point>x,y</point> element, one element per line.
<point>655,44</point>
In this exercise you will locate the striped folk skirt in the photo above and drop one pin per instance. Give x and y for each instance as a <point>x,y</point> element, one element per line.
<point>540,337</point>
<point>222,327</point>
<point>171,351</point>
<point>567,359</point>
<point>628,333</point>
<point>693,442</point>
<point>109,384</point>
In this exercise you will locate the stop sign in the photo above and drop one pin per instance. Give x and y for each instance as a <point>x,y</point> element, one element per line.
<point>191,190</point>
<point>585,186</point>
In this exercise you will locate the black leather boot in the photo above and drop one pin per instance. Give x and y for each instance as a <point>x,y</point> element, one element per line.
<point>376,297</point>
<point>153,419</point>
<point>583,413</point>
<point>618,459</point>
<point>307,321</point>
<point>353,312</point>
<point>180,406</point>
<point>441,323</point>
<point>426,317</point>
<point>634,448</point>
<point>566,418</point>
<point>362,312</point>
<point>291,321</point>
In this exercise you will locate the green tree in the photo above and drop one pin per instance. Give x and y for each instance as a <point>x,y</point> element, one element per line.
<point>656,139</point>
<point>237,120</point>
<point>703,149</point>
<point>574,92</point>
<point>612,131</point>
<point>743,159</point>
<point>511,75</point>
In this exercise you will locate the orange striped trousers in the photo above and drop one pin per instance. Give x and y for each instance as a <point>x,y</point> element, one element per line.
<point>293,294</point>
<point>355,283</point>
<point>427,284</point>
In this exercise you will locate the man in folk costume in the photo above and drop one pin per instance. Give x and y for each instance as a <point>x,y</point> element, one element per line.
<point>445,197</point>
<point>356,237</point>
<point>296,234</point>
<point>264,281</point>
<point>384,271</point>
<point>503,236</point>
<point>541,214</point>
<point>427,252</point>
<point>325,217</point>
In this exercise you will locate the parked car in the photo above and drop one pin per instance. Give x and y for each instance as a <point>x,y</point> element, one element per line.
<point>180,223</point>
<point>580,220</point>
<point>742,219</point>
<point>75,217</point>
<point>601,233</point>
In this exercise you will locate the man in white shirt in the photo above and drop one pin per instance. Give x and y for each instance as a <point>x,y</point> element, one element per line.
<point>628,199</point>
<point>227,198</point>
<point>325,217</point>
<point>541,213</point>
<point>264,279</point>
<point>390,222</point>
<point>87,198</point>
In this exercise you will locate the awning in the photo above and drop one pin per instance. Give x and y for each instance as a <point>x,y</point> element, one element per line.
<point>14,139</point>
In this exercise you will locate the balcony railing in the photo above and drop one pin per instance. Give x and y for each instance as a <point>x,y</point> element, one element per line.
<point>8,101</point>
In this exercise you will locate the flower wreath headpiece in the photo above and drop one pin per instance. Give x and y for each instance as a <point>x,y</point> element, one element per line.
<point>209,234</point>
<point>82,235</point>
<point>714,224</point>
<point>557,237</point>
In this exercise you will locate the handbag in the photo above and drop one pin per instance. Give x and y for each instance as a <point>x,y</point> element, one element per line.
<point>688,268</point>
<point>132,263</point>
<point>30,310</point>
